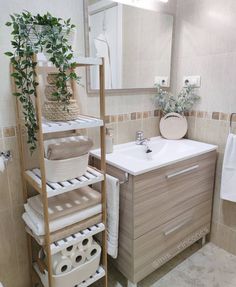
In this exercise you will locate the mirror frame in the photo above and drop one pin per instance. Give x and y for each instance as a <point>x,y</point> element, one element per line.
<point>92,92</point>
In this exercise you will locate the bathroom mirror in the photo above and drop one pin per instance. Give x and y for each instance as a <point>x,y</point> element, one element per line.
<point>136,44</point>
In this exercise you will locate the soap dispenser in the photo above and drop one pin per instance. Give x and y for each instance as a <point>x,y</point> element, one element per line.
<point>109,140</point>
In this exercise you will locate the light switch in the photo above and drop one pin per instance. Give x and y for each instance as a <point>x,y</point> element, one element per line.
<point>192,80</point>
<point>162,81</point>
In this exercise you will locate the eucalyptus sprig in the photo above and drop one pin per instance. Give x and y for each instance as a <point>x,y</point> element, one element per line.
<point>181,103</point>
<point>33,34</point>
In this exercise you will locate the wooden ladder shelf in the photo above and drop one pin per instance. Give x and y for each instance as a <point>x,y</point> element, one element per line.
<point>36,178</point>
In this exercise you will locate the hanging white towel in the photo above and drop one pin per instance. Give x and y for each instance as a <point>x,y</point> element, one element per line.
<point>228,181</point>
<point>113,204</point>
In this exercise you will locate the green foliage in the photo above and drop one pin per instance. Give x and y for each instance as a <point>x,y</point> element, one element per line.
<point>32,34</point>
<point>180,104</point>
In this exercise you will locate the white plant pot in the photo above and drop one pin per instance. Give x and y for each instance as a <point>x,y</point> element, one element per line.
<point>173,126</point>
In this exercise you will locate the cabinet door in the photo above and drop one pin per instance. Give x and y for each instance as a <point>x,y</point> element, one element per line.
<point>162,195</point>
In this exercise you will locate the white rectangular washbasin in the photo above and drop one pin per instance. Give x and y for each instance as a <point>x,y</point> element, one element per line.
<point>132,158</point>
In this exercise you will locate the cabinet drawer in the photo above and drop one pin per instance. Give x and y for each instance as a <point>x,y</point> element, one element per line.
<point>161,244</point>
<point>161,195</point>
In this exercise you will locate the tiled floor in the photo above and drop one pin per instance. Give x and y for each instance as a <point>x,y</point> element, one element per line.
<point>210,266</point>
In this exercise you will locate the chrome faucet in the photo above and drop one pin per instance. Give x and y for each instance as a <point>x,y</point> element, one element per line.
<point>140,140</point>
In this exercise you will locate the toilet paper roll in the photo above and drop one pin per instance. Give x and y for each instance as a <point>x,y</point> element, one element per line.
<point>2,164</point>
<point>78,258</point>
<point>85,244</point>
<point>61,264</point>
<point>69,250</point>
<point>93,250</point>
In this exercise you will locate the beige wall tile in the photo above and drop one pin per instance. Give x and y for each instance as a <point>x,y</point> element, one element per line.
<point>127,130</point>
<point>150,126</point>
<point>21,248</point>
<point>228,214</point>
<point>9,132</point>
<point>224,237</point>
<point>8,262</point>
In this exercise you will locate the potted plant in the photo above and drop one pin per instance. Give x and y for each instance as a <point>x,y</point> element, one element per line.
<point>33,34</point>
<point>173,124</point>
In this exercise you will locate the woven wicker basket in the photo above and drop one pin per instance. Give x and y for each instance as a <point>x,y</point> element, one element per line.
<point>52,78</point>
<point>54,111</point>
<point>49,89</point>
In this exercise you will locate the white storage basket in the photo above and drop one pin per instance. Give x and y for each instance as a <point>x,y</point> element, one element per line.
<point>75,276</point>
<point>66,169</point>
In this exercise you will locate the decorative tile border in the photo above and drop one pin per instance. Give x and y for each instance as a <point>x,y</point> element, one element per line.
<point>6,132</point>
<point>218,116</point>
<point>132,116</point>
<point>157,113</point>
<point>10,131</point>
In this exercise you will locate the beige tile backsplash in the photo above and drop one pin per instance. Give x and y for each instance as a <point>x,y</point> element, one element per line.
<point>215,131</point>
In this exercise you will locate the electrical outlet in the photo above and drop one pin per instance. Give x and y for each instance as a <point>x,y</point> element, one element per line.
<point>162,81</point>
<point>192,80</point>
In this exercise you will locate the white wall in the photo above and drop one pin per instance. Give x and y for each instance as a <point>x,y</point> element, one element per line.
<point>206,46</point>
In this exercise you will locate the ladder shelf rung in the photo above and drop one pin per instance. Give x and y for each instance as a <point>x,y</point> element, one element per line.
<point>80,62</point>
<point>91,176</point>
<point>82,122</point>
<point>92,225</point>
<point>73,239</point>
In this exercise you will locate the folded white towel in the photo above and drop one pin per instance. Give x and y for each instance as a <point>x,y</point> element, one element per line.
<point>36,223</point>
<point>113,204</point>
<point>228,180</point>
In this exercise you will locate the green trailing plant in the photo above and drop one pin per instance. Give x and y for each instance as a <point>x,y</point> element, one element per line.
<point>181,103</point>
<point>33,34</point>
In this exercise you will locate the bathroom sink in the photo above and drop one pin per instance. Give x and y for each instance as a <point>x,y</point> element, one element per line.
<point>135,160</point>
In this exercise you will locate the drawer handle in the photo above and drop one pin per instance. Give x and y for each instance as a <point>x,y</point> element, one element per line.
<point>192,168</point>
<point>172,230</point>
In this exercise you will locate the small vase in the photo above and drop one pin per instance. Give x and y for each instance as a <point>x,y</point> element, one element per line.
<point>173,126</point>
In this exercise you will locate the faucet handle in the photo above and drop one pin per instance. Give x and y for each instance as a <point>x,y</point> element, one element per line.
<point>139,135</point>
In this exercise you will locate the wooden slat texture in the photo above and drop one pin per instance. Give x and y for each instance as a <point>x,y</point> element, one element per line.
<point>75,238</point>
<point>55,188</point>
<point>67,231</point>
<point>82,122</point>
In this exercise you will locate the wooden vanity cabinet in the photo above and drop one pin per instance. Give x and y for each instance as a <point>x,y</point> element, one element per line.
<point>162,212</point>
